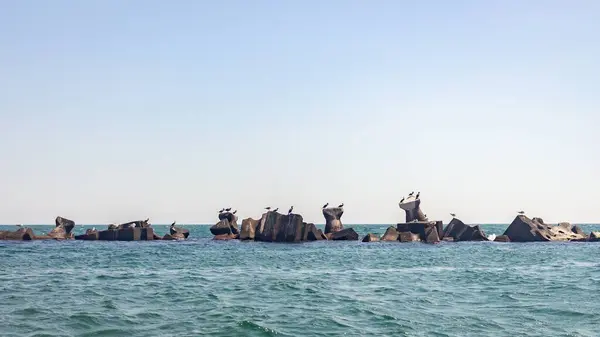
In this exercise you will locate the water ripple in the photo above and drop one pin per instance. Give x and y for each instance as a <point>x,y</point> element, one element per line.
<point>201,287</point>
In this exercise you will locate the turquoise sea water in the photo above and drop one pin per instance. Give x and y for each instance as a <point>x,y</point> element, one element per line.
<point>202,287</point>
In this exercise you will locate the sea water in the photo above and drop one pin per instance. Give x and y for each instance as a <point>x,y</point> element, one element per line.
<point>201,287</point>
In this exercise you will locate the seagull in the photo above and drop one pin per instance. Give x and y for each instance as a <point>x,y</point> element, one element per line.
<point>234,212</point>
<point>227,209</point>
<point>94,228</point>
<point>291,209</point>
<point>268,208</point>
<point>325,206</point>
<point>418,194</point>
<point>276,209</point>
<point>222,210</point>
<point>453,215</point>
<point>402,200</point>
<point>411,193</point>
<point>521,212</point>
<point>342,205</point>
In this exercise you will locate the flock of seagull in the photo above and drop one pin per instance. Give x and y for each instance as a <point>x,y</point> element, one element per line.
<point>274,210</point>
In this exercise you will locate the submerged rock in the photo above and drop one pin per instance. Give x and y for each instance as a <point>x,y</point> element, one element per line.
<point>229,236</point>
<point>457,230</point>
<point>502,238</point>
<point>332,219</point>
<point>370,238</point>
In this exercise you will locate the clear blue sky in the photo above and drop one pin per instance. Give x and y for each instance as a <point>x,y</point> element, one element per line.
<point>118,110</point>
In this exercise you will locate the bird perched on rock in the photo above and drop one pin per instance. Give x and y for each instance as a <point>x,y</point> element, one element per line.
<point>222,210</point>
<point>173,224</point>
<point>325,206</point>
<point>411,193</point>
<point>94,229</point>
<point>418,194</point>
<point>234,212</point>
<point>402,200</point>
<point>227,209</point>
<point>290,210</point>
<point>268,208</point>
<point>276,209</point>
<point>521,212</point>
<point>342,205</point>
<point>453,215</point>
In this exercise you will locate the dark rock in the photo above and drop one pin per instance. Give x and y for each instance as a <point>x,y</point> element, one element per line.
<point>126,234</point>
<point>248,229</point>
<point>21,234</point>
<point>457,230</point>
<point>231,219</point>
<point>65,223</point>
<point>220,228</point>
<point>63,229</point>
<point>594,237</point>
<point>408,237</point>
<point>431,234</point>
<point>391,234</point>
<point>412,206</point>
<point>312,233</point>
<point>90,234</point>
<point>523,229</point>
<point>345,234</point>
<point>276,227</point>
<point>178,231</point>
<point>332,219</point>
<point>370,238</point>
<point>502,238</point>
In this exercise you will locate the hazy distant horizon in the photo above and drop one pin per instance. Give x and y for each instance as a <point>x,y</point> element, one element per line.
<point>112,111</point>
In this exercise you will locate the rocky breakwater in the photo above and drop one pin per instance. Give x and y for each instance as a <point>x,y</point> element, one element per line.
<point>418,228</point>
<point>271,227</point>
<point>524,229</point>
<point>61,231</point>
<point>139,230</point>
<point>21,234</point>
<point>334,229</point>
<point>226,228</point>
